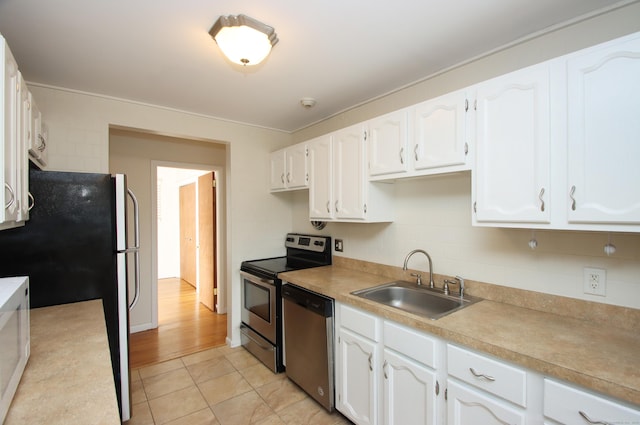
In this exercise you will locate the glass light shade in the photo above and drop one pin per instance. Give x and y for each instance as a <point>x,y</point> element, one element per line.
<point>242,39</point>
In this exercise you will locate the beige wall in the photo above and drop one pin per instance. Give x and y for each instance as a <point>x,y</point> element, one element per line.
<point>79,140</point>
<point>435,213</point>
<point>135,154</point>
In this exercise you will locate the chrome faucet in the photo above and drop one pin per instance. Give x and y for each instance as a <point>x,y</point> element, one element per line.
<point>417,275</point>
<point>458,281</point>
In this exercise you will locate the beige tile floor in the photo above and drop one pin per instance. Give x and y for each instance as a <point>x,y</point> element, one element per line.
<point>221,386</point>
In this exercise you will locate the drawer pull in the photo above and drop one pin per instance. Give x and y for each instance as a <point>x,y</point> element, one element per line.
<point>481,376</point>
<point>384,370</point>
<point>370,362</point>
<point>588,419</point>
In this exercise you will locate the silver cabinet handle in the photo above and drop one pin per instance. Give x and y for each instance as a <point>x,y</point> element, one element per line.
<point>43,143</point>
<point>481,375</point>
<point>13,197</point>
<point>370,362</point>
<point>282,178</point>
<point>402,155</point>
<point>588,419</point>
<point>365,208</point>
<point>336,206</point>
<point>384,370</point>
<point>573,199</point>
<point>328,206</point>
<point>415,152</point>
<point>541,200</point>
<point>32,203</point>
<point>288,177</point>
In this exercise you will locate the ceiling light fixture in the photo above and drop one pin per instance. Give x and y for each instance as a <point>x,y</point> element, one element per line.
<point>242,39</point>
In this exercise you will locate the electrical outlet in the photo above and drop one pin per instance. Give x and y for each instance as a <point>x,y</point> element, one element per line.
<point>338,245</point>
<point>595,281</point>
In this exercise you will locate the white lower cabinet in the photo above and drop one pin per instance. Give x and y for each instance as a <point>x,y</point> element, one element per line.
<point>469,406</point>
<point>386,377</point>
<point>357,389</point>
<point>410,391</point>
<point>564,404</point>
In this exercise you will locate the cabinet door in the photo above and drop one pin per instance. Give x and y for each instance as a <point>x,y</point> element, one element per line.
<point>440,138</point>
<point>22,153</point>
<point>349,173</point>
<point>9,203</point>
<point>297,175</point>
<point>604,134</point>
<point>388,144</point>
<point>467,406</point>
<point>512,148</point>
<point>410,391</point>
<point>320,178</point>
<point>356,378</point>
<point>278,172</point>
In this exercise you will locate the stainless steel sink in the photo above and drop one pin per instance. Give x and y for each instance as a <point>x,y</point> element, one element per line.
<point>420,300</point>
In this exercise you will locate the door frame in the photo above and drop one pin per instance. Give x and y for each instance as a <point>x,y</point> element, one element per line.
<point>220,268</point>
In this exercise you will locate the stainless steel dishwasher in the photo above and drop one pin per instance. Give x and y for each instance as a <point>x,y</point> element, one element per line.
<point>308,342</point>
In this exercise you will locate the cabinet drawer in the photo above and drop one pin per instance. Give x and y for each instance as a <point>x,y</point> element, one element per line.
<point>416,345</point>
<point>490,375</point>
<point>563,404</point>
<point>360,322</point>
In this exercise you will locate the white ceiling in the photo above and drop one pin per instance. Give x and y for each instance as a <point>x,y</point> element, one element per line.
<point>341,53</point>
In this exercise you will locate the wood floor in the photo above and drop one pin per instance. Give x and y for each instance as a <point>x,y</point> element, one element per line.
<point>184,326</point>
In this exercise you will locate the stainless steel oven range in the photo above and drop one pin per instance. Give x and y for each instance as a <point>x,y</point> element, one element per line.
<point>261,329</point>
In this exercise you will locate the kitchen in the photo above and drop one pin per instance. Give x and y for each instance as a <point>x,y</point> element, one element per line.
<point>432,214</point>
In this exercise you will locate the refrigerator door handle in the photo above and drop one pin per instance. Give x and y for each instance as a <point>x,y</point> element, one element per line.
<point>135,249</point>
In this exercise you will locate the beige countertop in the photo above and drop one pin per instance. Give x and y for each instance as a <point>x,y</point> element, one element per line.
<point>603,358</point>
<point>68,378</point>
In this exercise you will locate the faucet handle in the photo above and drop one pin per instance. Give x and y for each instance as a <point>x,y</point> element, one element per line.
<point>459,281</point>
<point>418,277</point>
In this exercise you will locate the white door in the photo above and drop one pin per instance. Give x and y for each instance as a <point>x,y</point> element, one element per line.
<point>604,134</point>
<point>349,172</point>
<point>296,166</point>
<point>409,391</point>
<point>512,148</point>
<point>440,138</point>
<point>356,378</point>
<point>467,406</point>
<point>320,178</point>
<point>388,140</point>
<point>278,172</point>
<point>12,110</point>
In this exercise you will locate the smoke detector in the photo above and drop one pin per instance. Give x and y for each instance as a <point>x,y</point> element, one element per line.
<point>307,102</point>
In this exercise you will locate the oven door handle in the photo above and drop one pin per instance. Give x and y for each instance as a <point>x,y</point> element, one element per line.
<point>258,280</point>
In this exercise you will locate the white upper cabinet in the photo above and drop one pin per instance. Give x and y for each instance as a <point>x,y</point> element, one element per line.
<point>433,137</point>
<point>38,141</point>
<point>388,141</point>
<point>320,179</point>
<point>604,134</point>
<point>349,176</point>
<point>289,168</point>
<point>11,111</point>
<point>512,174</point>
<point>338,186</point>
<point>441,134</point>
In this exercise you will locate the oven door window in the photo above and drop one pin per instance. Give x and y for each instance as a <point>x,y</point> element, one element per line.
<point>256,300</point>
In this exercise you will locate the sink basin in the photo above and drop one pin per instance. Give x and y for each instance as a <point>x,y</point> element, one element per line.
<point>420,300</point>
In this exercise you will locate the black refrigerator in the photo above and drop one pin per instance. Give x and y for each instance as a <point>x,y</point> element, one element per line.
<point>74,248</point>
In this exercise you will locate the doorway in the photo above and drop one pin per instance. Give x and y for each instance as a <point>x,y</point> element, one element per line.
<point>187,230</point>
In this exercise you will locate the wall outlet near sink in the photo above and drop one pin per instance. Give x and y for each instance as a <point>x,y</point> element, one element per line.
<point>595,281</point>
